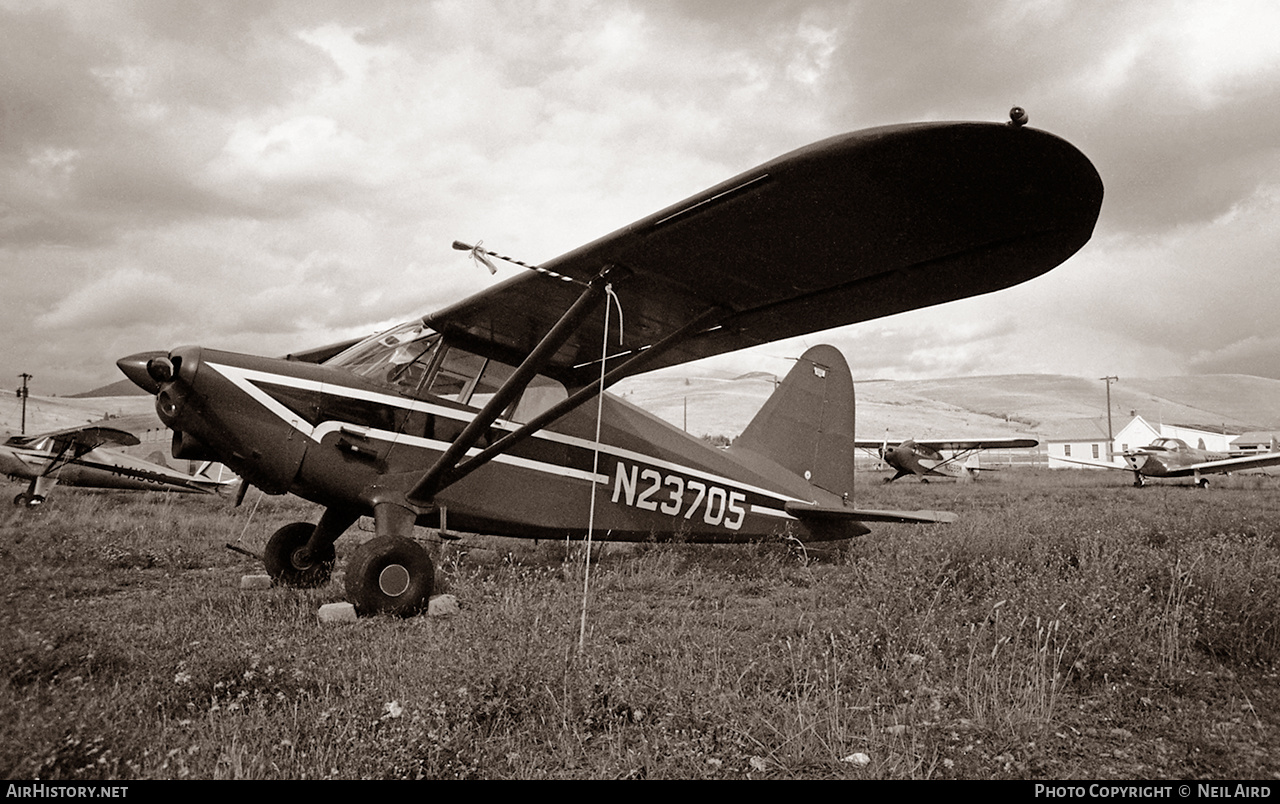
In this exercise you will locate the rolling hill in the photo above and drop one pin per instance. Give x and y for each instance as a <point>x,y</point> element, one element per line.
<point>1032,404</point>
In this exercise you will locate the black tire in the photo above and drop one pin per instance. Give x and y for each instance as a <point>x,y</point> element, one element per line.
<point>390,575</point>
<point>288,562</point>
<point>25,500</point>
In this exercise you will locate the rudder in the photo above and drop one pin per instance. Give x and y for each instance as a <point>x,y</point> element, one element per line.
<point>806,425</point>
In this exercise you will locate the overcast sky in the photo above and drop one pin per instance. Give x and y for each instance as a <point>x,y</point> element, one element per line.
<point>266,176</point>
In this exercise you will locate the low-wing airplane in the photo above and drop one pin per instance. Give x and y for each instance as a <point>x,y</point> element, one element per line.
<point>924,458</point>
<point>472,417</point>
<point>1173,457</point>
<point>84,456</point>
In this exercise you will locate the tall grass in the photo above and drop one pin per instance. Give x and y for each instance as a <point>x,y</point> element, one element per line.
<point>1062,628</point>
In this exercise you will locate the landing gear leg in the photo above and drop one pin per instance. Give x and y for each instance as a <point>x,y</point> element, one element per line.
<point>301,555</point>
<point>391,573</point>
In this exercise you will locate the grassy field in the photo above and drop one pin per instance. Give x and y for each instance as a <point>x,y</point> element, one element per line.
<point>1068,626</point>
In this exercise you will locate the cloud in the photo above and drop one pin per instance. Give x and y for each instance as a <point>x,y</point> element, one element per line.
<point>268,176</point>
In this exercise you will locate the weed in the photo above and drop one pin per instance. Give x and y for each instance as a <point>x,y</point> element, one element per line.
<point>1063,628</point>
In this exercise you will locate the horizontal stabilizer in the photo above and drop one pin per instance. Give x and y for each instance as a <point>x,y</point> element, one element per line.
<point>807,511</point>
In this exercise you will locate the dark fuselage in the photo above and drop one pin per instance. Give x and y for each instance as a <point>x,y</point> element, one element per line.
<point>341,440</point>
<point>1169,457</point>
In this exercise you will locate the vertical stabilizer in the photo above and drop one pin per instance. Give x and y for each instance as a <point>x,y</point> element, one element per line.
<point>807,424</point>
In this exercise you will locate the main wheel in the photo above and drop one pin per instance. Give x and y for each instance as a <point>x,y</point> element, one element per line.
<point>288,561</point>
<point>21,499</point>
<point>390,575</point>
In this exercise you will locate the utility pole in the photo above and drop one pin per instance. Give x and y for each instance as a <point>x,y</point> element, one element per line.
<point>22,394</point>
<point>1111,440</point>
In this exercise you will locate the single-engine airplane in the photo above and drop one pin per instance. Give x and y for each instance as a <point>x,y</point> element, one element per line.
<point>924,457</point>
<point>82,456</point>
<point>472,417</point>
<point>1173,457</point>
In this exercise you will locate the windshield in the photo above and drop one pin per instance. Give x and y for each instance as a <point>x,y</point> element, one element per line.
<point>399,357</point>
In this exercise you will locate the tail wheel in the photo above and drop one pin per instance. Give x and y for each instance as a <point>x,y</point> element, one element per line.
<point>290,563</point>
<point>390,575</point>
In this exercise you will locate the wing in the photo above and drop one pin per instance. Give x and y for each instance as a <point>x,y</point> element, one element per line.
<point>1226,465</point>
<point>848,229</point>
<point>957,444</point>
<point>80,440</point>
<point>1094,464</point>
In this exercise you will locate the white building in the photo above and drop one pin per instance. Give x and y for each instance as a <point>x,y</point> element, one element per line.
<point>1086,440</point>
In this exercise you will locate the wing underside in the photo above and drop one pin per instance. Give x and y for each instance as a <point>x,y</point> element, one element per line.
<point>849,229</point>
<point>956,444</point>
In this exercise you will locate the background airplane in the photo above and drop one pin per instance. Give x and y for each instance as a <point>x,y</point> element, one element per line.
<point>924,458</point>
<point>83,456</point>
<point>473,416</point>
<point>1173,457</point>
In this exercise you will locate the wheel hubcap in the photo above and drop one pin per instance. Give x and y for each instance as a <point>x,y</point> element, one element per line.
<point>393,580</point>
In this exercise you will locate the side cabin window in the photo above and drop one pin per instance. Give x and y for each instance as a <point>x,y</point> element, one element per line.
<point>413,360</point>
<point>474,380</point>
<point>457,375</point>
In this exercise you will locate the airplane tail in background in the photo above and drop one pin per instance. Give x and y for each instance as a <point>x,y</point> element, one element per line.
<point>807,424</point>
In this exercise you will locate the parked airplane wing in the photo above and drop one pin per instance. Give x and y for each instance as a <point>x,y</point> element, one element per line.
<point>82,439</point>
<point>956,444</point>
<point>848,229</point>
<point>1094,464</point>
<point>1225,465</point>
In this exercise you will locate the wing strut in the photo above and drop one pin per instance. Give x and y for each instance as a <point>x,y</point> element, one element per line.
<point>434,480</point>
<point>514,385</point>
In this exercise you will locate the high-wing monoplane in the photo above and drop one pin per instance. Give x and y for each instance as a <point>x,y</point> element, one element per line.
<point>1173,457</point>
<point>924,457</point>
<point>88,456</point>
<point>472,418</point>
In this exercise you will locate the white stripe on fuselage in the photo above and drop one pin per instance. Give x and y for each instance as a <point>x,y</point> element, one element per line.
<point>244,378</point>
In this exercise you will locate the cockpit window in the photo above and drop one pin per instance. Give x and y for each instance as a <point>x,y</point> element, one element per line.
<point>399,357</point>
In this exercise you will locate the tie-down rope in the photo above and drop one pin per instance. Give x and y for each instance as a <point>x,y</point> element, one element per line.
<point>611,299</point>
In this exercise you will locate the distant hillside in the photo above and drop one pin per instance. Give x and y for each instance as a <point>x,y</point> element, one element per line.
<point>1042,400</point>
<point>118,388</point>
<point>46,413</point>
<point>1034,404</point>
